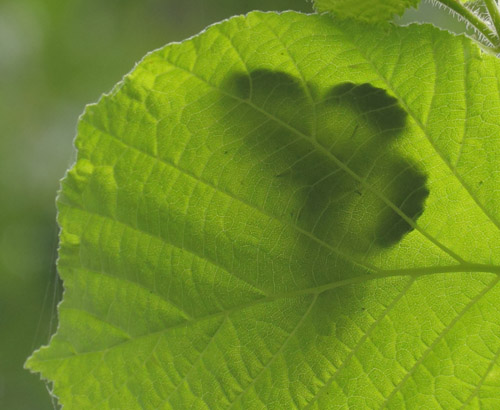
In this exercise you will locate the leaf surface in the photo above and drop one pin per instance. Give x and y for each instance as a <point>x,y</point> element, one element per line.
<point>285,212</point>
<point>365,10</point>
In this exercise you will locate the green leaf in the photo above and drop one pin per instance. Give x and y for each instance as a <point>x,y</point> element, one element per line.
<point>365,10</point>
<point>285,211</point>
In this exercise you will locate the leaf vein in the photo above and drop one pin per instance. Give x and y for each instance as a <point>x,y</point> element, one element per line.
<point>440,337</point>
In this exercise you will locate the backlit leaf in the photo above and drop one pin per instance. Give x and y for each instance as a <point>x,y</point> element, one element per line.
<point>365,10</point>
<point>285,212</point>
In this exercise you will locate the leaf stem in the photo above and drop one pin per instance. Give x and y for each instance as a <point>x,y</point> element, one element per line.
<point>475,21</point>
<point>494,13</point>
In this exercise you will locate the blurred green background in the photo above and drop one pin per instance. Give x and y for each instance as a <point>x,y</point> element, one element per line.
<point>56,56</point>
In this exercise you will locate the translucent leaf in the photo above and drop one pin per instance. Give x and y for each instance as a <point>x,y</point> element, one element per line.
<point>285,212</point>
<point>365,10</point>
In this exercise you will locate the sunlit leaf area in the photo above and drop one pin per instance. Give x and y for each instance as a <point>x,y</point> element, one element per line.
<point>286,210</point>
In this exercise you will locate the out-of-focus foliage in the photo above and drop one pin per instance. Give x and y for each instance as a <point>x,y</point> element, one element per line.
<point>56,56</point>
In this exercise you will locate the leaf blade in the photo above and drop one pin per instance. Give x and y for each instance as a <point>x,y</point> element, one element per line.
<point>367,11</point>
<point>139,190</point>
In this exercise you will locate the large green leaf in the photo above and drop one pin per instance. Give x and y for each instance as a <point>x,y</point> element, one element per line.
<point>282,212</point>
<point>365,10</point>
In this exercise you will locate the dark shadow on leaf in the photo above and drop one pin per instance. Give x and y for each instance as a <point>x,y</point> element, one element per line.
<point>332,152</point>
<point>325,159</point>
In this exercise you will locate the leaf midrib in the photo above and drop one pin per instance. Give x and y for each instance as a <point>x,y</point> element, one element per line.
<point>317,290</point>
